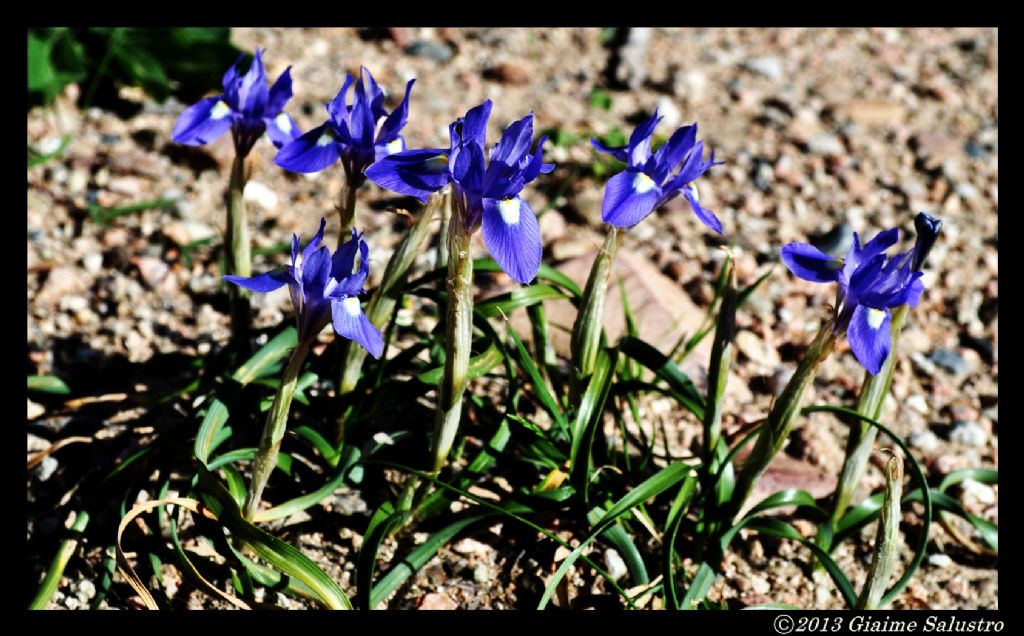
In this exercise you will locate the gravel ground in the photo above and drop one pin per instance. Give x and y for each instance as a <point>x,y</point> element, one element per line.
<point>824,133</point>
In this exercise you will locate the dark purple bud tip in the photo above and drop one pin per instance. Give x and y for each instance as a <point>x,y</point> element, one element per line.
<point>927,232</point>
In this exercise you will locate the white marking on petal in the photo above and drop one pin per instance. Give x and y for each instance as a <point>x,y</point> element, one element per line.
<point>875,318</point>
<point>283,123</point>
<point>220,110</point>
<point>351,306</point>
<point>509,209</point>
<point>696,195</point>
<point>642,183</point>
<point>326,139</point>
<point>394,146</point>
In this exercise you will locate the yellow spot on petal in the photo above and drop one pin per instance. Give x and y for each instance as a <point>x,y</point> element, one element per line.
<point>642,183</point>
<point>509,209</point>
<point>220,110</point>
<point>394,146</point>
<point>438,163</point>
<point>875,318</point>
<point>283,123</point>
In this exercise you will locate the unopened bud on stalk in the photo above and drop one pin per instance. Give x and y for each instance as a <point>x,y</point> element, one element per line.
<point>887,540</point>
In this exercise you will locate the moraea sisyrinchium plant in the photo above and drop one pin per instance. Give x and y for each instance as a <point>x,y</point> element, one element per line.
<point>324,289</point>
<point>247,108</point>
<point>870,284</point>
<point>488,189</point>
<point>651,180</point>
<point>358,133</point>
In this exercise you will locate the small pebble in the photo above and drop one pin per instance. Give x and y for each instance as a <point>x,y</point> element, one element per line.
<point>968,434</point>
<point>925,440</point>
<point>916,402</point>
<point>940,560</point>
<point>977,492</point>
<point>46,468</point>
<point>36,443</point>
<point>632,70</point>
<point>383,439</point>
<point>692,84</point>
<point>756,349</point>
<point>260,194</point>
<point>473,547</point>
<point>615,565</point>
<point>93,262</point>
<point>152,269</point>
<point>825,144</point>
<point>435,601</point>
<point>35,410</point>
<point>768,66</point>
<point>429,50</point>
<point>71,304</point>
<point>482,574</point>
<point>923,364</point>
<point>49,145</point>
<point>185,232</point>
<point>510,73</point>
<point>975,150</point>
<point>85,590</point>
<point>967,191</point>
<point>760,584</point>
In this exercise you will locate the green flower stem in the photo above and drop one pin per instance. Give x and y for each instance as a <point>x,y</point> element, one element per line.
<point>886,540</point>
<point>586,332</point>
<point>274,429</point>
<point>346,211</point>
<point>238,258</point>
<point>459,334</point>
<point>862,435</point>
<point>780,420</point>
<point>718,372</point>
<point>382,303</point>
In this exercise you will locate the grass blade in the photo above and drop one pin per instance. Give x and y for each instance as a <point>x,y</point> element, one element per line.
<point>64,553</point>
<point>479,365</point>
<point>588,419</point>
<point>649,488</point>
<point>505,304</point>
<point>384,519</point>
<point>665,369</point>
<point>418,558</point>
<point>48,384</point>
<point>541,388</point>
<point>676,514</point>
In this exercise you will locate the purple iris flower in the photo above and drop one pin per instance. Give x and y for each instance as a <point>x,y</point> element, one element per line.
<point>324,289</point>
<point>247,107</point>
<point>870,284</point>
<point>652,180</point>
<point>489,189</point>
<point>358,133</point>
